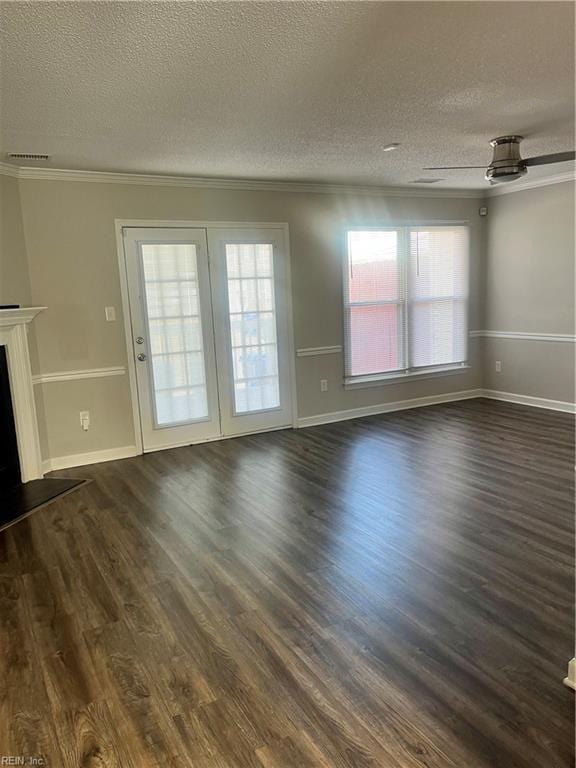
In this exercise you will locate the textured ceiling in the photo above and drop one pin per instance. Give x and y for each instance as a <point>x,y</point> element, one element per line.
<point>282,90</point>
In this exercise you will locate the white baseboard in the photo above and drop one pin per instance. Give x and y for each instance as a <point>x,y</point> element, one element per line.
<point>535,402</point>
<point>113,454</point>
<point>420,402</point>
<point>398,405</point>
<point>95,457</point>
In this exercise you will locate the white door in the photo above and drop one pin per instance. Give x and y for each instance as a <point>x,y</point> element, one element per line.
<point>249,270</point>
<point>172,335</point>
<point>210,332</point>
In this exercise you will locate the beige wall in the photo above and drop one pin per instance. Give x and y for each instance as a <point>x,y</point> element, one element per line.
<point>71,245</point>
<point>534,368</point>
<point>529,288</point>
<point>15,287</point>
<point>14,277</point>
<point>59,249</point>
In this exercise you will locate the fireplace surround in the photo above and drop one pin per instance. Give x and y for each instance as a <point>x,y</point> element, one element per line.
<point>14,337</point>
<point>9,457</point>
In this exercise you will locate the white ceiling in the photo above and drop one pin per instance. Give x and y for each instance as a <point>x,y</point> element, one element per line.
<point>283,90</point>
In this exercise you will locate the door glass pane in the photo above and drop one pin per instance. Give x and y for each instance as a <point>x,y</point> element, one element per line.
<point>252,311</point>
<point>175,348</point>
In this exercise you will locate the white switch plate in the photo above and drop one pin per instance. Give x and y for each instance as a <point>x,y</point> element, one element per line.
<point>110,314</point>
<point>323,385</point>
<point>498,366</point>
<point>85,420</point>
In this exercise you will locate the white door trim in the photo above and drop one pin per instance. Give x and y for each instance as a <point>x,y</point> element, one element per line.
<point>154,434</point>
<point>120,225</point>
<point>290,315</point>
<point>123,274</point>
<point>234,422</point>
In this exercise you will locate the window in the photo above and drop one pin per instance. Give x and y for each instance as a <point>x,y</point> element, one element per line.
<point>406,301</point>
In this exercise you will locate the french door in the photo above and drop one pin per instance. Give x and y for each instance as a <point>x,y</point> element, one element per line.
<point>210,331</point>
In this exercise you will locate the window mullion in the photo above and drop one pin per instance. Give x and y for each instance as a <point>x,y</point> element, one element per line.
<point>405,260</point>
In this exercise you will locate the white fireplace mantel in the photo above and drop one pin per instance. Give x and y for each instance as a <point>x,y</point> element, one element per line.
<point>14,336</point>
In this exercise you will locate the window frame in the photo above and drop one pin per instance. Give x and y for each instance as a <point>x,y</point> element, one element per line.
<point>421,372</point>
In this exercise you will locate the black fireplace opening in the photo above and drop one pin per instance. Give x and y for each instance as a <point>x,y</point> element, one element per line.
<point>18,499</point>
<point>9,462</point>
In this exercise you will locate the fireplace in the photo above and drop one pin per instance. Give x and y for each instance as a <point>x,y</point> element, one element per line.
<point>23,489</point>
<point>9,458</point>
<point>17,407</point>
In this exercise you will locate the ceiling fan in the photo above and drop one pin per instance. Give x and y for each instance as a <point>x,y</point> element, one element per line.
<point>507,165</point>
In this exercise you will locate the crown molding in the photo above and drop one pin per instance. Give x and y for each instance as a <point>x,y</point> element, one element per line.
<point>253,185</point>
<point>506,189</point>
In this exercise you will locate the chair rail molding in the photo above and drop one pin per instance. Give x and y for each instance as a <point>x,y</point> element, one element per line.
<point>85,373</point>
<point>567,338</point>
<point>314,351</point>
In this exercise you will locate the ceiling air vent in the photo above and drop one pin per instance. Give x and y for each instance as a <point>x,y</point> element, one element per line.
<point>27,156</point>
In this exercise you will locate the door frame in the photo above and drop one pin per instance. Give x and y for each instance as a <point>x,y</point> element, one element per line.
<point>120,225</point>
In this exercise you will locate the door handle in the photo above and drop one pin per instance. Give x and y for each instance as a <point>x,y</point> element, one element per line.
<point>141,356</point>
<point>139,340</point>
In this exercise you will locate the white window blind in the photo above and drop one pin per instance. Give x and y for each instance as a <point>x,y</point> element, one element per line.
<point>406,300</point>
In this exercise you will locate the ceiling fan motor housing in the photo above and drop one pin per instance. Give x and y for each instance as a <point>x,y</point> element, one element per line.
<point>506,165</point>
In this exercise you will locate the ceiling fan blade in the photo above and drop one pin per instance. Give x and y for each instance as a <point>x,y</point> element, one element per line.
<point>558,157</point>
<point>453,167</point>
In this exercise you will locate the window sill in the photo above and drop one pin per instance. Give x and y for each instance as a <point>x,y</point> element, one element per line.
<point>380,380</point>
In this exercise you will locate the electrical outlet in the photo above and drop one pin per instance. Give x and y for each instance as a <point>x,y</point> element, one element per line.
<point>323,385</point>
<point>498,366</point>
<point>110,314</point>
<point>85,420</point>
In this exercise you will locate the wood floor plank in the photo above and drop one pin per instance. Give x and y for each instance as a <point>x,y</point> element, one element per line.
<point>298,751</point>
<point>390,592</point>
<point>92,739</point>
<point>26,723</point>
<point>130,686</point>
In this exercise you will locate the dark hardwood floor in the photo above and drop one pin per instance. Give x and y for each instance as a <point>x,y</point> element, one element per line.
<point>395,591</point>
